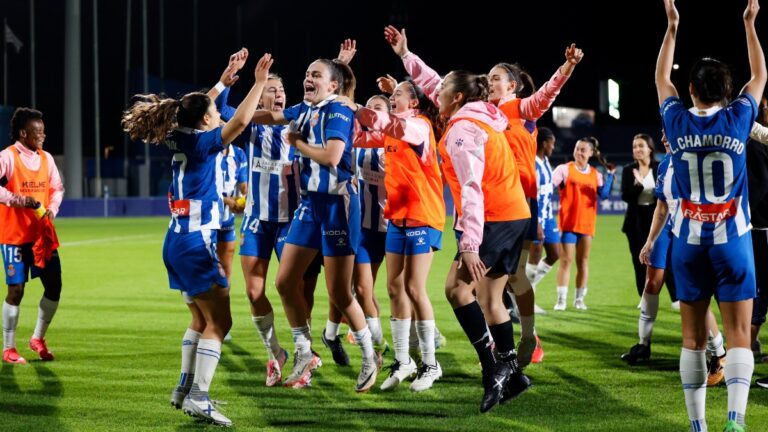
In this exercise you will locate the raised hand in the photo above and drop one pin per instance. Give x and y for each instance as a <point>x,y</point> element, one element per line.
<point>573,55</point>
<point>673,17</point>
<point>387,84</point>
<point>396,39</point>
<point>236,62</point>
<point>261,72</point>
<point>347,51</point>
<point>751,12</point>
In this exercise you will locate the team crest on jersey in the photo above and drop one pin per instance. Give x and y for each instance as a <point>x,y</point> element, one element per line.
<point>341,241</point>
<point>314,119</point>
<point>11,270</point>
<point>420,241</point>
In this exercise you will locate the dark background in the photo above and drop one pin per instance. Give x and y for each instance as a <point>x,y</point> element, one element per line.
<point>620,40</point>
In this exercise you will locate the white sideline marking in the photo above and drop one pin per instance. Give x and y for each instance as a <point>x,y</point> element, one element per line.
<point>105,240</point>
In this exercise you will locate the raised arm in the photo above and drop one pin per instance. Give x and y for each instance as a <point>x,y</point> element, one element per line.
<point>664,86</point>
<point>229,77</point>
<point>247,108</point>
<point>534,106</point>
<point>424,76</point>
<point>756,83</point>
<point>347,51</point>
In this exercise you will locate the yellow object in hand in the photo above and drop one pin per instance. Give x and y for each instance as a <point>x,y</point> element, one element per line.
<point>240,201</point>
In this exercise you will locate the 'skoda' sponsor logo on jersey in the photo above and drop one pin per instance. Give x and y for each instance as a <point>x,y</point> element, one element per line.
<point>334,232</point>
<point>415,233</point>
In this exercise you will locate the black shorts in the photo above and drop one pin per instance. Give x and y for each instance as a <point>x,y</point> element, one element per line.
<point>532,234</point>
<point>501,246</point>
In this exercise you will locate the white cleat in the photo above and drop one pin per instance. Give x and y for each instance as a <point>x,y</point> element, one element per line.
<point>367,377</point>
<point>177,396</point>
<point>398,373</point>
<point>579,304</point>
<point>560,305</point>
<point>275,368</point>
<point>426,376</point>
<point>205,409</point>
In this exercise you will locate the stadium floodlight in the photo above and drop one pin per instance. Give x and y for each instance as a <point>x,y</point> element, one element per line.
<point>613,99</point>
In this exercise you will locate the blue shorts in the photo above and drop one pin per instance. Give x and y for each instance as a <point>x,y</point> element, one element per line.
<point>531,234</point>
<point>660,251</point>
<point>191,260</point>
<point>328,223</point>
<point>19,262</point>
<point>413,241</point>
<point>570,237</point>
<point>726,271</point>
<point>259,238</point>
<point>551,231</point>
<point>371,248</point>
<point>226,234</point>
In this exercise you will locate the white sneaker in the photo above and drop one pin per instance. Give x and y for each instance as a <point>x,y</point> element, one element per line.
<point>205,409</point>
<point>427,375</point>
<point>367,377</point>
<point>676,305</point>
<point>525,351</point>
<point>579,304</point>
<point>275,368</point>
<point>560,305</point>
<point>398,373</point>
<point>539,310</point>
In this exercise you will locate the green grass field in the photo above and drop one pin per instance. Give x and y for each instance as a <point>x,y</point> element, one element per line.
<point>118,330</point>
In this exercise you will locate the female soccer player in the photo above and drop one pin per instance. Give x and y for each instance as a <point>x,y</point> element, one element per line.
<point>712,241</point>
<point>416,214</point>
<point>328,219</point>
<point>231,181</point>
<point>581,186</point>
<point>492,215</point>
<point>190,128</point>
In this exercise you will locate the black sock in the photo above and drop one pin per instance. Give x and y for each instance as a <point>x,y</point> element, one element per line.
<point>505,340</point>
<point>472,320</point>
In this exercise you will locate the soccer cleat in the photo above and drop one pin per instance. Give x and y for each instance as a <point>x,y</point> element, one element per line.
<point>539,310</point>
<point>494,383</point>
<point>426,376</point>
<point>275,368</point>
<point>732,426</point>
<point>204,408</point>
<point>12,356</point>
<point>367,377</point>
<point>525,350</point>
<point>716,373</point>
<point>398,373</point>
<point>351,337</point>
<point>517,384</point>
<point>337,350</point>
<point>560,305</point>
<point>538,353</point>
<point>762,382</point>
<point>38,345</point>
<point>178,395</point>
<point>579,304</point>
<point>301,374</point>
<point>637,353</point>
<point>440,340</point>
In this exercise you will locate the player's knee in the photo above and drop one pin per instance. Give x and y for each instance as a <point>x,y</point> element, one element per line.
<point>15,294</point>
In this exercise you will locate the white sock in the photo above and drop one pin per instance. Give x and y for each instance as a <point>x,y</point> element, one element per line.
<point>541,270</point>
<point>649,308</point>
<point>425,330</point>
<point>527,329</point>
<point>208,353</point>
<point>363,338</point>
<point>693,373</point>
<point>10,321</point>
<point>401,329</point>
<point>581,293</point>
<point>530,272</point>
<point>374,325</point>
<point>331,330</point>
<point>562,293</point>
<point>188,357</point>
<point>739,366</point>
<point>265,325</point>
<point>715,344</point>
<point>302,340</point>
<point>46,311</point>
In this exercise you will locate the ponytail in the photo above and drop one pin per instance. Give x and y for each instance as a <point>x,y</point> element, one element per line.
<point>151,118</point>
<point>595,144</point>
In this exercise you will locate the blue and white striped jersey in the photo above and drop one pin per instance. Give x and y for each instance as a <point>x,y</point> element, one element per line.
<point>273,189</point>
<point>709,158</point>
<point>373,195</point>
<point>664,186</point>
<point>195,201</point>
<point>231,170</point>
<point>318,124</point>
<point>544,180</point>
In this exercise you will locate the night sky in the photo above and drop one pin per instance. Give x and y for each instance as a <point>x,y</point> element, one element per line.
<point>534,34</point>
